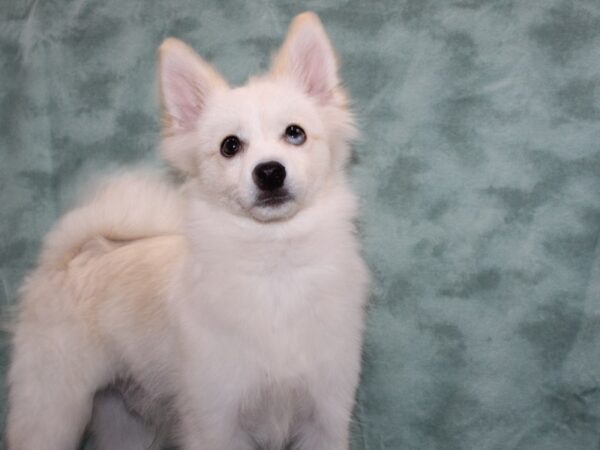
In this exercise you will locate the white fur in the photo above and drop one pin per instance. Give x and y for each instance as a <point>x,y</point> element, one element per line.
<point>241,324</point>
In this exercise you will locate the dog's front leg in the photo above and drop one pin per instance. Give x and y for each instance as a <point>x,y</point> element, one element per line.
<point>214,431</point>
<point>319,435</point>
<point>328,428</point>
<point>209,414</point>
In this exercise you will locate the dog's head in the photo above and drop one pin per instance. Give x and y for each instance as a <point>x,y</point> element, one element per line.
<point>266,149</point>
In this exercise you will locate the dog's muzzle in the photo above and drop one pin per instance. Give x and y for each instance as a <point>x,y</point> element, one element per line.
<point>273,198</point>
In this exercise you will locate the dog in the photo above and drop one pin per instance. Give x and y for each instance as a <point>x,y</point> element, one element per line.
<point>224,312</point>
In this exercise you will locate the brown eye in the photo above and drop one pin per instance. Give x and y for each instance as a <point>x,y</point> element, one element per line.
<point>230,146</point>
<point>295,135</point>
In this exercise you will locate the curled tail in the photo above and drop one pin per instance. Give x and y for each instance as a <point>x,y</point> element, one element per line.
<point>125,207</point>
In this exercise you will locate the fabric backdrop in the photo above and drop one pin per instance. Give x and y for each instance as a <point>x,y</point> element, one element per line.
<point>478,172</point>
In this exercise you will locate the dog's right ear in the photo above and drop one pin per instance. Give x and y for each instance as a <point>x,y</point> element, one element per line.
<point>185,81</point>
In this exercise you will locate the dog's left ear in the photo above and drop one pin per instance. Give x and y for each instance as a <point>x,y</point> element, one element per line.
<point>308,58</point>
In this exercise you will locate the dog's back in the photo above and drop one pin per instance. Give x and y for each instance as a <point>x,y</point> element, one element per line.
<point>101,282</point>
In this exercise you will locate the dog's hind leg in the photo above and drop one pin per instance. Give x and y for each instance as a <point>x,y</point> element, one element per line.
<point>53,376</point>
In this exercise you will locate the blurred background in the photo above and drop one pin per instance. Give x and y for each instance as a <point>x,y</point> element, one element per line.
<point>478,173</point>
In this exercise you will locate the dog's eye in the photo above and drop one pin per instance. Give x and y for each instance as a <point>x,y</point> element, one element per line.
<point>295,135</point>
<point>230,146</point>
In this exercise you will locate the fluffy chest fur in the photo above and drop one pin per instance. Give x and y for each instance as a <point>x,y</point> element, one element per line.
<point>279,311</point>
<point>276,293</point>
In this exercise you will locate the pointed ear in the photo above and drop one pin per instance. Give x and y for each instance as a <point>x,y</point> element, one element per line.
<point>186,81</point>
<point>308,58</point>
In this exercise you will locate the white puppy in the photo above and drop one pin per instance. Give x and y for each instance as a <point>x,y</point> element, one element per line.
<point>224,314</point>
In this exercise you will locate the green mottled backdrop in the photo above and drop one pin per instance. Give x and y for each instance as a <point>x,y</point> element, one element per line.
<point>479,174</point>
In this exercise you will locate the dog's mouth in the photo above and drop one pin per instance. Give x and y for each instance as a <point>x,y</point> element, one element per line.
<point>273,199</point>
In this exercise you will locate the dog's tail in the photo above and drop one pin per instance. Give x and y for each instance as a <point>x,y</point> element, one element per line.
<point>125,207</point>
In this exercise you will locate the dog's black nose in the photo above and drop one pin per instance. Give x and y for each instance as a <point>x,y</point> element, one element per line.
<point>269,176</point>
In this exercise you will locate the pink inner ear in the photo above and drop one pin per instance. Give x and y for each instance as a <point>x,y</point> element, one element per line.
<point>182,94</point>
<point>183,103</point>
<point>313,62</point>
